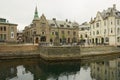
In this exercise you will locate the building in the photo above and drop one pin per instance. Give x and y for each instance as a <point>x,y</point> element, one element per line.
<point>42,30</point>
<point>84,34</point>
<point>8,31</point>
<point>105,27</point>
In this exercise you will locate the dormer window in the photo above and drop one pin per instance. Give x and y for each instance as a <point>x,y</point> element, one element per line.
<point>61,25</point>
<point>68,26</point>
<point>52,24</point>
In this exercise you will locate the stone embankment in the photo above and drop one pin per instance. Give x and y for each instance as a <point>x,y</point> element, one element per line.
<point>77,53</point>
<point>18,51</point>
<point>56,53</point>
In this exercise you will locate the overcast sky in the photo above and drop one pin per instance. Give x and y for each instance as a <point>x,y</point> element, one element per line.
<point>21,12</point>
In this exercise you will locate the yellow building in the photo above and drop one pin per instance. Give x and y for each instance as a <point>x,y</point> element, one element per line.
<point>44,30</point>
<point>8,31</point>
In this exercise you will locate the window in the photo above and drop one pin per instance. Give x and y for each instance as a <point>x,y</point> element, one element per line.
<point>43,24</point>
<point>53,33</point>
<point>0,36</point>
<point>111,30</point>
<point>12,34</point>
<point>118,39</point>
<point>97,24</point>
<point>118,22</point>
<point>104,31</point>
<point>74,33</point>
<point>34,33</point>
<point>62,32</point>
<point>111,23</point>
<point>104,23</point>
<point>52,24</point>
<point>68,26</point>
<point>4,28</point>
<point>97,32</point>
<point>82,29</point>
<point>86,35</point>
<point>4,36</point>
<point>61,25</point>
<point>118,31</point>
<point>81,36</point>
<point>1,28</point>
<point>68,32</point>
<point>107,39</point>
<point>43,33</point>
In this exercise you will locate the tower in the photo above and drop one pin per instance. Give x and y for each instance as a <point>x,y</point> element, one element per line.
<point>36,14</point>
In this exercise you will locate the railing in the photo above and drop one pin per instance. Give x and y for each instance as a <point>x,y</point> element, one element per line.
<point>44,44</point>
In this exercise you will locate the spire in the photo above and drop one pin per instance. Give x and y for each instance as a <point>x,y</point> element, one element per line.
<point>36,14</point>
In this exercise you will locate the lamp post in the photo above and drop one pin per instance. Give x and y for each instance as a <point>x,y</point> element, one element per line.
<point>34,36</point>
<point>56,41</point>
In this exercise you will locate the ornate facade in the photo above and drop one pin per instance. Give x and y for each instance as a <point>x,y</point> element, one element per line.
<point>105,27</point>
<point>44,30</point>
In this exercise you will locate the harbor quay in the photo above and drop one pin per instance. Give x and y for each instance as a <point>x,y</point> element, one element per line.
<point>56,53</point>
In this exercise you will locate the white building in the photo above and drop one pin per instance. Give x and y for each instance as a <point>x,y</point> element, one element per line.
<point>105,27</point>
<point>84,33</point>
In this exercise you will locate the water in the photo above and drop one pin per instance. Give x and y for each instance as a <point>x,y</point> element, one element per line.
<point>36,69</point>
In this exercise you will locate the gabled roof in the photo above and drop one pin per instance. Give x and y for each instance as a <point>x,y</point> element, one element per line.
<point>62,24</point>
<point>112,11</point>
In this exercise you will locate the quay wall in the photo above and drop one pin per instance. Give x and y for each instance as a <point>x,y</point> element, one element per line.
<point>60,51</point>
<point>77,53</point>
<point>17,48</point>
<point>55,53</point>
<point>98,49</point>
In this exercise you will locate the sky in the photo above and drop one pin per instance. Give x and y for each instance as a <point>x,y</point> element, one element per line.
<point>21,12</point>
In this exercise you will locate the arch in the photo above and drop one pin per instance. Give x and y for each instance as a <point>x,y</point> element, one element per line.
<point>102,40</point>
<point>96,40</point>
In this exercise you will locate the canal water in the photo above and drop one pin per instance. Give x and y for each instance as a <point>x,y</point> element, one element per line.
<point>36,69</point>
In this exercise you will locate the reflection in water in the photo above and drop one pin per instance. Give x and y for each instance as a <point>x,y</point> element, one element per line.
<point>22,74</point>
<point>35,69</point>
<point>106,70</point>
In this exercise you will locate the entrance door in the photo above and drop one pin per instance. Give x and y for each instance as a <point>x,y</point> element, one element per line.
<point>68,40</point>
<point>36,40</point>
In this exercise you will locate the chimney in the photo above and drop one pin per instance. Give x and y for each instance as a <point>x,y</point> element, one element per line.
<point>54,19</point>
<point>66,20</point>
<point>114,6</point>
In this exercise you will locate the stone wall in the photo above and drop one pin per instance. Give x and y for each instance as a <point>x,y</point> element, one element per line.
<point>60,51</point>
<point>17,48</point>
<point>99,49</point>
